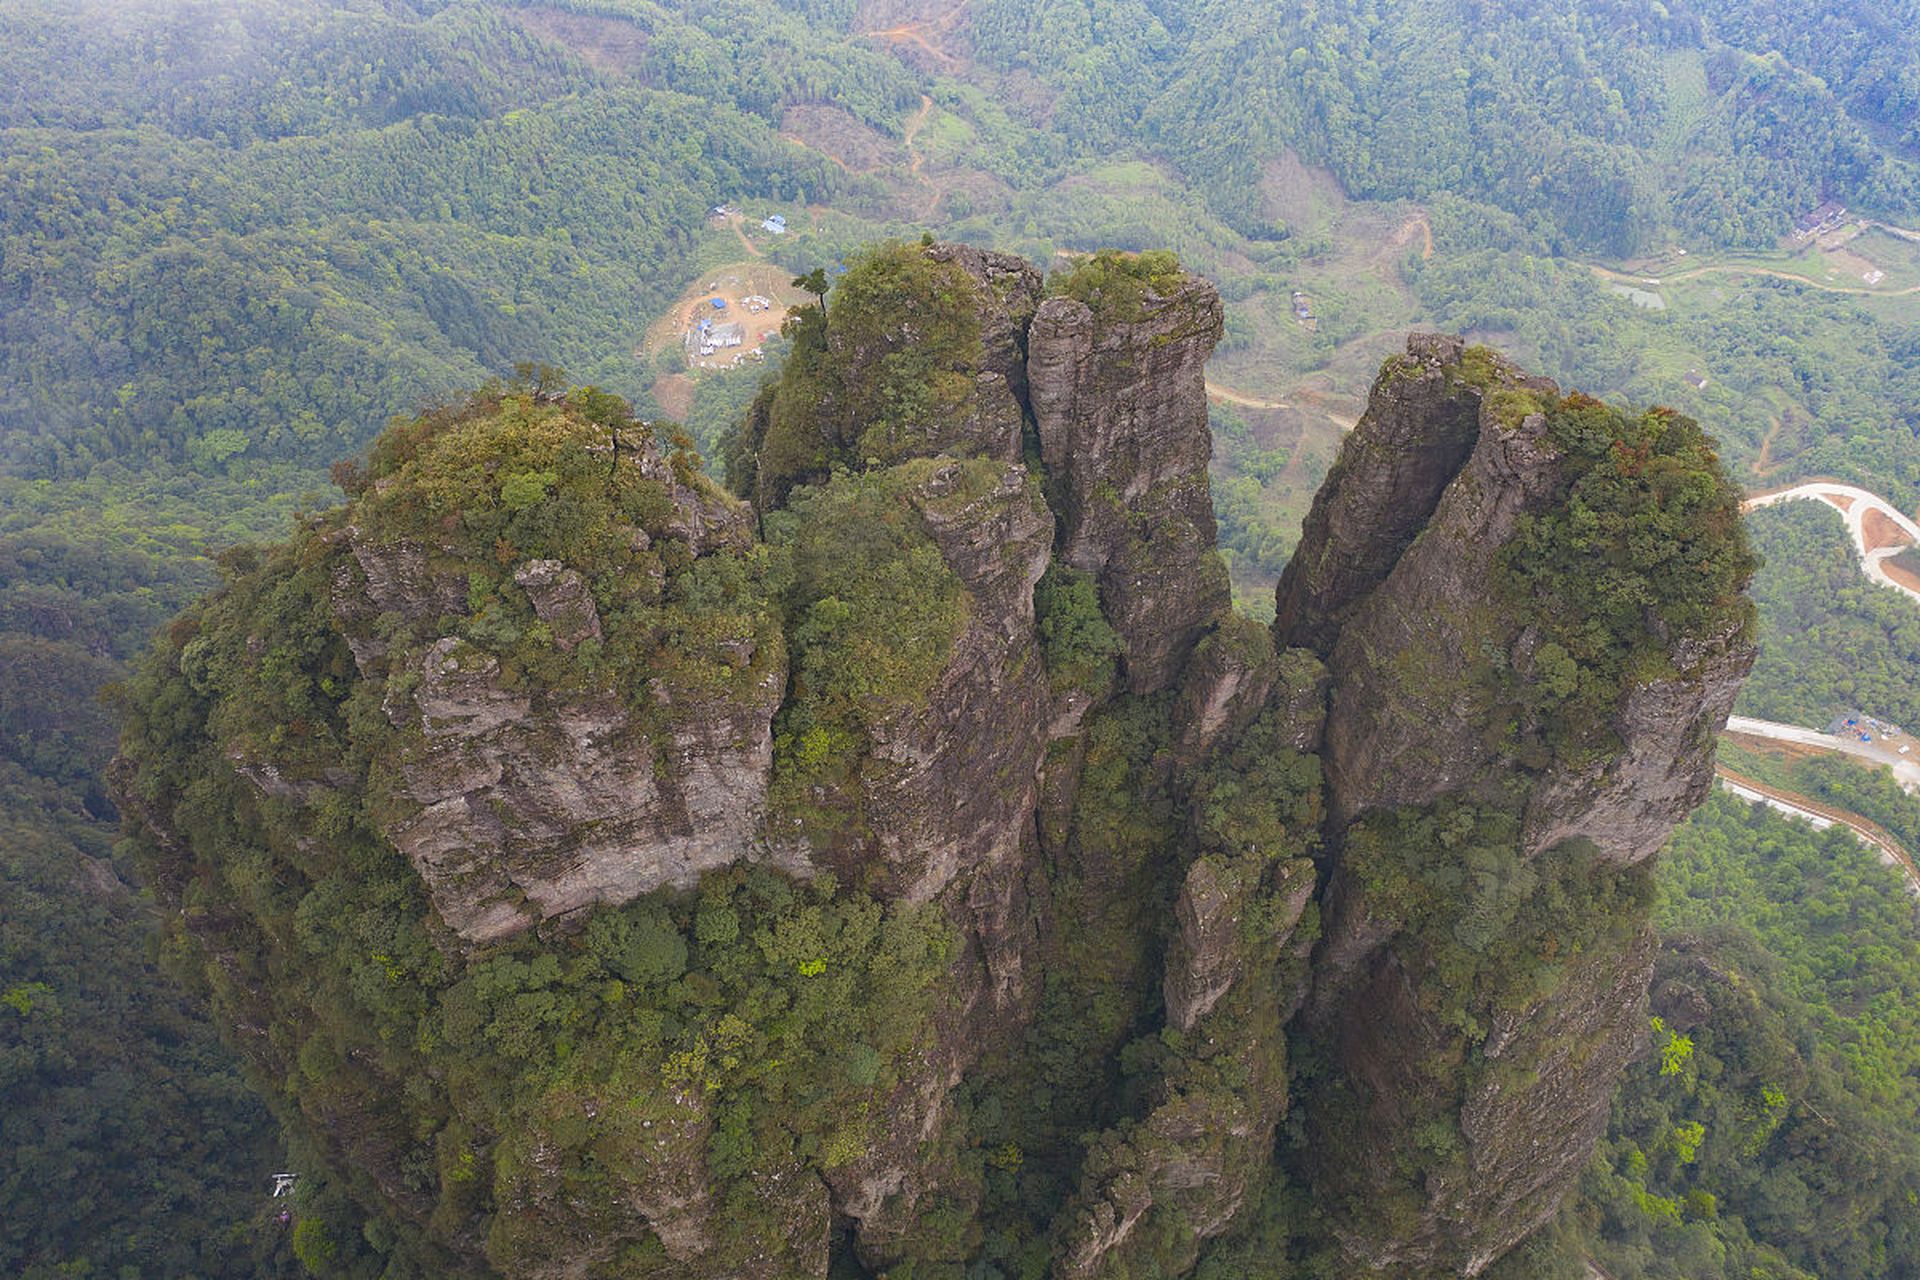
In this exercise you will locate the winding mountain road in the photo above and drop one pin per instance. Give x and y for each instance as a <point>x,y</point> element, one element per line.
<point>1853,504</point>
<point>1743,269</point>
<point>1906,769</point>
<point>1822,817</point>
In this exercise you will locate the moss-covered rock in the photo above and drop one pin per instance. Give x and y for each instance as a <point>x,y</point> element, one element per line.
<point>603,877</point>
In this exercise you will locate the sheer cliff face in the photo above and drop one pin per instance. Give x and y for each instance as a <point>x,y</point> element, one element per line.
<point>1442,620</point>
<point>609,881</point>
<point>1120,402</point>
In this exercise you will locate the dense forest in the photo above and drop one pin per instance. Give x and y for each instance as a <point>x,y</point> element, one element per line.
<point>1833,642</point>
<point>236,239</point>
<point>1771,1129</point>
<point>1570,116</point>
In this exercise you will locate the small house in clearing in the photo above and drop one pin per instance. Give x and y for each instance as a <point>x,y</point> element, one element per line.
<point>775,224</point>
<point>1822,218</point>
<point>1303,310</point>
<point>712,338</point>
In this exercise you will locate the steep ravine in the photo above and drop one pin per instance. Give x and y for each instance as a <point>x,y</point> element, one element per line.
<point>604,877</point>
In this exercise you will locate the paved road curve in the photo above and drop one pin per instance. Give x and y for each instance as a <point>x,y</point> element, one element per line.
<point>1855,515</point>
<point>1906,769</point>
<point>1822,817</point>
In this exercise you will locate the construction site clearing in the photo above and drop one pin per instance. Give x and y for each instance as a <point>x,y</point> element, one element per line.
<point>725,320</point>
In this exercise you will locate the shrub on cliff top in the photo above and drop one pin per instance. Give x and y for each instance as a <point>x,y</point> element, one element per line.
<point>1642,548</point>
<point>1116,284</point>
<point>885,371</point>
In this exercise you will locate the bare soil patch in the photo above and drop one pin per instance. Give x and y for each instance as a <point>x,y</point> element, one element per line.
<point>1882,532</point>
<point>1403,235</point>
<point>605,44</point>
<point>1777,748</point>
<point>1296,193</point>
<point>674,393</point>
<point>1764,464</point>
<point>841,137</point>
<point>928,35</point>
<point>1840,501</point>
<point>1850,264</point>
<point>1901,569</point>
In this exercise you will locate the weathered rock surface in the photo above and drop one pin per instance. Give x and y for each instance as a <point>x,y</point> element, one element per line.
<point>602,809</point>
<point>1010,291</point>
<point>1409,717</point>
<point>1423,655</point>
<point>561,600</point>
<point>1121,407</point>
<point>1528,1126</point>
<point>518,804</point>
<point>1666,727</point>
<point>1160,831</point>
<point>965,791</point>
<point>1421,423</point>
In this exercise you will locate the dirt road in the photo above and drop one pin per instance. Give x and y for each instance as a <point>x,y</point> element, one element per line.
<point>734,220</point>
<point>1824,816</point>
<point>1853,504</point>
<point>1736,269</point>
<point>926,35</point>
<point>916,160</point>
<point>1231,396</point>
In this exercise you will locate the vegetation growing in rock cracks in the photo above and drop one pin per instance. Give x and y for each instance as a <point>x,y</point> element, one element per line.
<point>766,1016</point>
<point>881,371</point>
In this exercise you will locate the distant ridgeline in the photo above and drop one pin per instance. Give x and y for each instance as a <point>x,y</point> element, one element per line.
<point>912,864</point>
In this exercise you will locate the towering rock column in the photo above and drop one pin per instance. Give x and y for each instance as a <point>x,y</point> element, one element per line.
<point>1119,396</point>
<point>1504,746</point>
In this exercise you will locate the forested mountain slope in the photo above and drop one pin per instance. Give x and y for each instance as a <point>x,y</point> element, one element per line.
<point>1571,116</point>
<point>236,239</point>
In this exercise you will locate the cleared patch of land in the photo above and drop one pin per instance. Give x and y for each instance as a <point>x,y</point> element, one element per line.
<point>841,137</point>
<point>1882,532</point>
<point>741,286</point>
<point>605,44</point>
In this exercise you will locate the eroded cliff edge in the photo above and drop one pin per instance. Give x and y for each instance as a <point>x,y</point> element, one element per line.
<point>923,866</point>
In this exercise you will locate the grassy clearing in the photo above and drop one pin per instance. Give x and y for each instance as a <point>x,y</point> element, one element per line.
<point>1689,101</point>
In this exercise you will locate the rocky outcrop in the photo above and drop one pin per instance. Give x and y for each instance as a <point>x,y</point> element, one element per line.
<point>946,781</point>
<point>923,357</point>
<point>560,600</point>
<point>1120,402</point>
<point>1402,826</point>
<point>518,803</point>
<point>1526,1127</point>
<point>1009,291</point>
<point>1411,708</point>
<point>1154,1192</point>
<point>961,789</point>
<point>603,808</point>
<point>1436,702</point>
<point>1666,727</point>
<point>1162,1188</point>
<point>1421,423</point>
